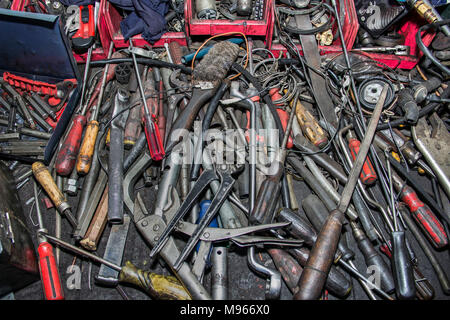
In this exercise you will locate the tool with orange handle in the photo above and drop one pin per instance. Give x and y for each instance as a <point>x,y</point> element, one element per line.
<point>48,268</point>
<point>84,158</point>
<point>310,126</point>
<point>368,175</point>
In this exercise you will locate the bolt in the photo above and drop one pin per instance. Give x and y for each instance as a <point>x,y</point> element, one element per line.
<point>144,223</point>
<point>56,5</point>
<point>206,235</point>
<point>156,227</point>
<point>156,238</point>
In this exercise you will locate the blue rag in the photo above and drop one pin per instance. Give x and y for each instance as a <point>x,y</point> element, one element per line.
<point>146,17</point>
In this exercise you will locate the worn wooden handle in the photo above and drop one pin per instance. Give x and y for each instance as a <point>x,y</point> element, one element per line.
<point>320,259</point>
<point>84,159</point>
<point>45,179</point>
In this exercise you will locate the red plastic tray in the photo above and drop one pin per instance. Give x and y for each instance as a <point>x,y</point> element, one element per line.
<point>350,27</point>
<point>408,30</point>
<point>109,30</point>
<point>262,27</point>
<point>97,54</point>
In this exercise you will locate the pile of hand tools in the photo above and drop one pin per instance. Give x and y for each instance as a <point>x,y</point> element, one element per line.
<point>326,173</point>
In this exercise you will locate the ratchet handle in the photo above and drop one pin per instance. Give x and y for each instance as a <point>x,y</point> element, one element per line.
<point>319,262</point>
<point>368,175</point>
<point>65,160</point>
<point>84,159</point>
<point>425,218</point>
<point>153,136</point>
<point>51,281</point>
<point>403,272</point>
<point>157,286</point>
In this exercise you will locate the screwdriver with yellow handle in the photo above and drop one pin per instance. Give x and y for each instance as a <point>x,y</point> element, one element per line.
<point>310,126</point>
<point>84,158</point>
<point>157,286</point>
<point>319,262</point>
<point>45,179</point>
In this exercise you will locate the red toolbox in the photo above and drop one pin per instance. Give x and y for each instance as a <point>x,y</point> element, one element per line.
<point>197,27</point>
<point>109,30</point>
<point>97,54</point>
<point>408,30</point>
<point>350,27</point>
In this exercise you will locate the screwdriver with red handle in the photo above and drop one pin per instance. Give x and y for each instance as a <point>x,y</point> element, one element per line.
<point>368,175</point>
<point>51,281</point>
<point>152,133</point>
<point>425,218</point>
<point>66,157</point>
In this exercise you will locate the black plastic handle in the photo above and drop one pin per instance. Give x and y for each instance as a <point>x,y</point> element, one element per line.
<point>402,268</point>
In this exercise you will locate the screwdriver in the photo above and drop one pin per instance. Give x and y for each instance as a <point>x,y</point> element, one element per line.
<point>403,273</point>
<point>51,281</point>
<point>368,175</point>
<point>317,213</point>
<point>423,215</point>
<point>154,141</point>
<point>44,178</point>
<point>373,258</point>
<point>264,209</point>
<point>67,155</point>
<point>310,127</point>
<point>84,159</point>
<point>426,248</point>
<point>301,229</point>
<point>157,286</point>
<point>319,262</point>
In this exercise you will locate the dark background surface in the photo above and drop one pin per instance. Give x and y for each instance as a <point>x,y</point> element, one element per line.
<point>243,283</point>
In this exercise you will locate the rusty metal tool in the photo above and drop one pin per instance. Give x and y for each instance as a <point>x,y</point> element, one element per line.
<point>319,262</point>
<point>157,286</point>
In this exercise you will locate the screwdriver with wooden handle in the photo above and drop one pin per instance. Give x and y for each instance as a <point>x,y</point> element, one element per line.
<point>84,158</point>
<point>45,179</point>
<point>157,286</point>
<point>319,262</point>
